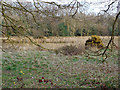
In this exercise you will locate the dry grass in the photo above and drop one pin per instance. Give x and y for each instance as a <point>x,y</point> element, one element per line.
<point>70,50</point>
<point>56,42</point>
<point>64,71</point>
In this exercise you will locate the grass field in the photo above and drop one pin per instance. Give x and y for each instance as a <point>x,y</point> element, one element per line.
<point>52,42</point>
<point>32,68</point>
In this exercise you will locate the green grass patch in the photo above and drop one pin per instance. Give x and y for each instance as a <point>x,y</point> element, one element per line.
<point>27,68</point>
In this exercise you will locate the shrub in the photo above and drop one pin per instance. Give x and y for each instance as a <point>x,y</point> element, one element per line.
<point>70,50</point>
<point>94,41</point>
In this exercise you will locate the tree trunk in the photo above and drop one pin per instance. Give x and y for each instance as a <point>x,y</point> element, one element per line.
<point>118,9</point>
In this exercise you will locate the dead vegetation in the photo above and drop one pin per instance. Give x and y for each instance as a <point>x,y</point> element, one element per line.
<point>70,50</point>
<point>52,42</point>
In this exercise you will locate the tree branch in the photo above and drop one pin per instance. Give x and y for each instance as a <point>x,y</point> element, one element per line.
<point>113,29</point>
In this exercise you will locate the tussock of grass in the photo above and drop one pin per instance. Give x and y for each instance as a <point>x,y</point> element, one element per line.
<point>70,50</point>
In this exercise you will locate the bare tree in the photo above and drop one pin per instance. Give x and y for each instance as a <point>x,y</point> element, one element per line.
<point>20,18</point>
<point>17,16</point>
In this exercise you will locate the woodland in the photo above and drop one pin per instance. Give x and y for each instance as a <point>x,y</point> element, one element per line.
<point>51,44</point>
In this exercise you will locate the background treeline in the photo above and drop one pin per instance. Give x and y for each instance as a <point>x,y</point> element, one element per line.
<point>52,22</point>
